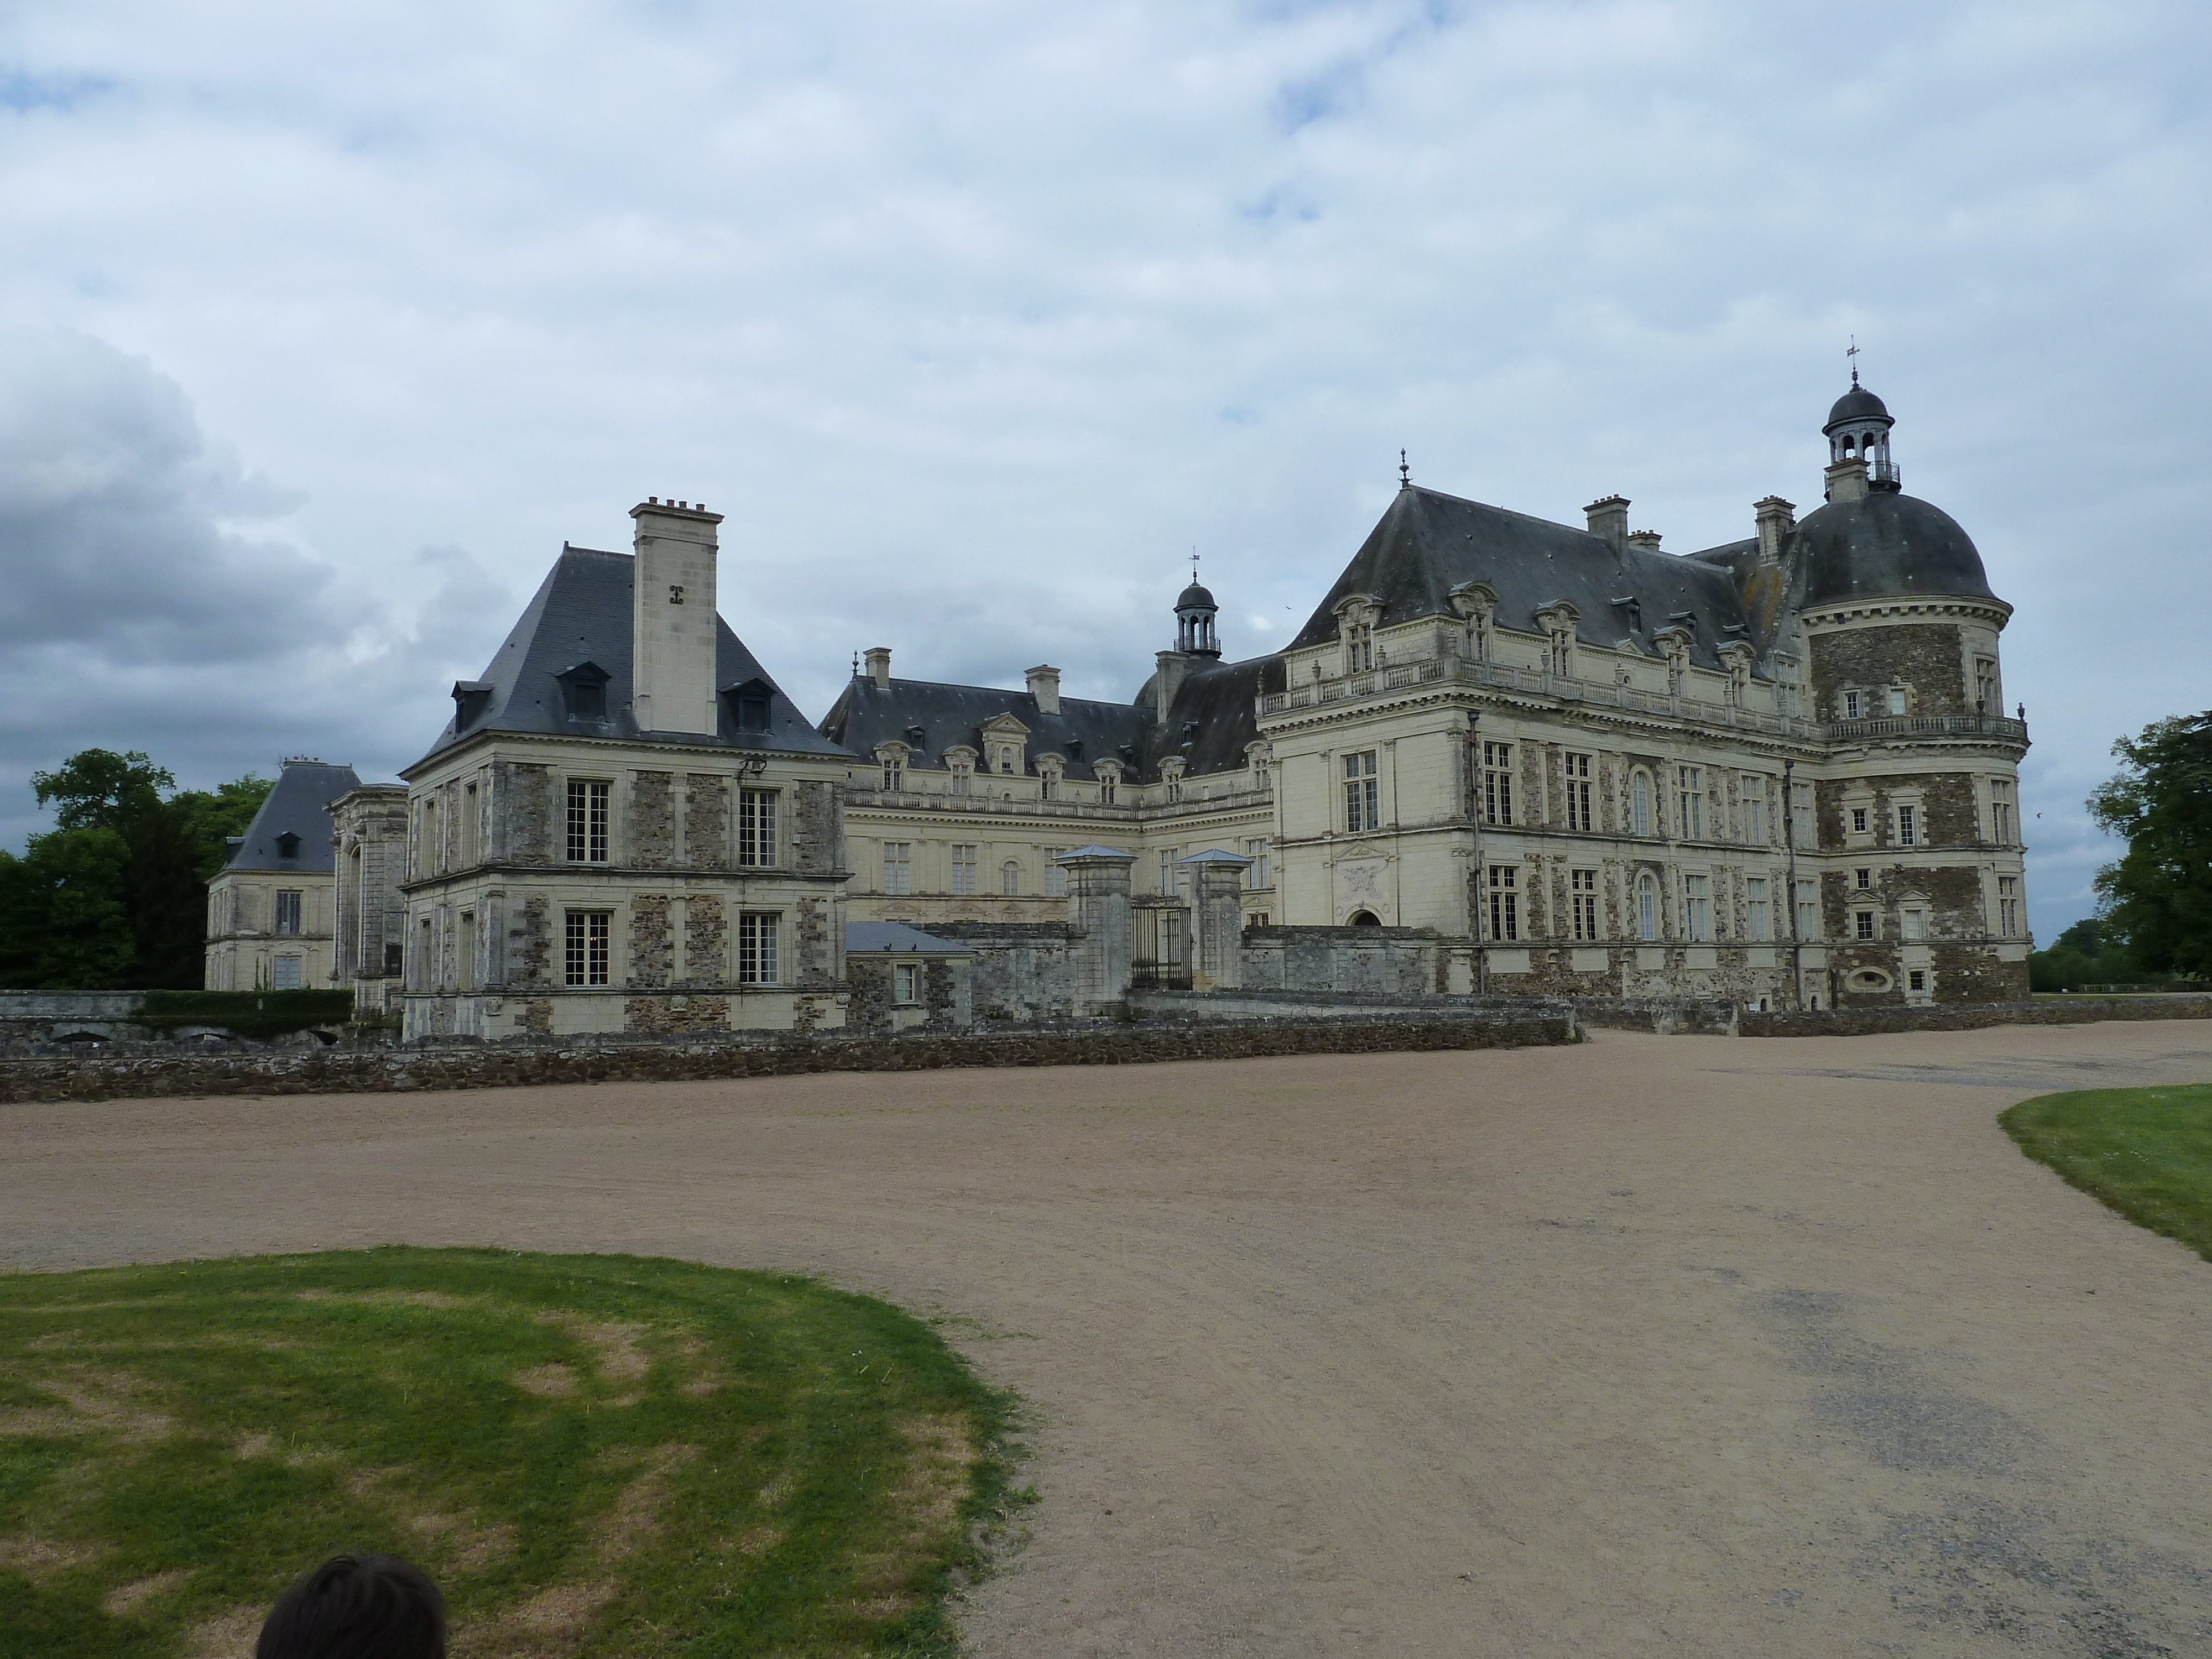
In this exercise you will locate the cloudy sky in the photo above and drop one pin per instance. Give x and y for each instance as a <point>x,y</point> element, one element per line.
<point>322,328</point>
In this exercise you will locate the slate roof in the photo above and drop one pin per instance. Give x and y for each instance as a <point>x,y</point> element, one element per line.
<point>930,718</point>
<point>866,937</point>
<point>1885,546</point>
<point>298,805</point>
<point>1428,542</point>
<point>582,613</point>
<point>1215,716</point>
<point>1856,404</point>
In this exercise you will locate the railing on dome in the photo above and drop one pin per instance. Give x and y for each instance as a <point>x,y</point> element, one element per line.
<point>1930,726</point>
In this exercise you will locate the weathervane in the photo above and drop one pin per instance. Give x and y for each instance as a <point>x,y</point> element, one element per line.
<point>1852,352</point>
<point>1404,472</point>
<point>1194,567</point>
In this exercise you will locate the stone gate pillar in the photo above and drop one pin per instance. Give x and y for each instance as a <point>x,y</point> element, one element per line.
<point>1217,957</point>
<point>1098,894</point>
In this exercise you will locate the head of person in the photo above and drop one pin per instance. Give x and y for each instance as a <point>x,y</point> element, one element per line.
<point>357,1607</point>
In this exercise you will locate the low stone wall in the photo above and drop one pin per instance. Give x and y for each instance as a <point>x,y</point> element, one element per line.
<point>2072,1011</point>
<point>348,1070</point>
<point>1186,1007</point>
<point>1662,1017</point>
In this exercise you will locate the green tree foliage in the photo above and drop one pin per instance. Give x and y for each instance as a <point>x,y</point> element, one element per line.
<point>2090,953</point>
<point>2158,896</point>
<point>115,895</point>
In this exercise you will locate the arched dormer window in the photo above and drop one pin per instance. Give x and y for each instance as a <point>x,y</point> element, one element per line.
<point>1475,604</point>
<point>1674,642</point>
<point>1558,621</point>
<point>1171,771</point>
<point>1048,775</point>
<point>891,757</point>
<point>1260,758</point>
<point>1109,781</point>
<point>1356,614</point>
<point>960,762</point>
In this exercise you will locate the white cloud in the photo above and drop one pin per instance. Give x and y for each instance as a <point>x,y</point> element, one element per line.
<point>974,316</point>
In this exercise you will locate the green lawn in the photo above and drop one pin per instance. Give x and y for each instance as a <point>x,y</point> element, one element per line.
<point>2146,1153</point>
<point>592,1455</point>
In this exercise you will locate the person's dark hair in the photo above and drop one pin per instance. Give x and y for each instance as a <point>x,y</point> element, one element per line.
<point>357,1607</point>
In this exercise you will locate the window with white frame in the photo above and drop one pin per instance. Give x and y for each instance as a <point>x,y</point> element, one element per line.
<point>1257,873</point>
<point>1055,873</point>
<point>1497,782</point>
<point>1863,879</point>
<point>1582,894</point>
<point>288,912</point>
<point>1692,793</point>
<point>1359,647</point>
<point>905,982</point>
<point>962,767</point>
<point>1048,778</point>
<point>1007,760</point>
<point>587,821</point>
<point>1916,979</point>
<point>1859,821</point>
<point>898,867</point>
<point>1801,808</point>
<point>1171,883</point>
<point>1908,826</point>
<point>1361,793</point>
<point>1647,906</point>
<point>1562,653</point>
<point>1854,705</point>
<point>894,769</point>
<point>1010,878</point>
<point>2001,811</point>
<point>1862,925</point>
<point>757,827</point>
<point>757,941</point>
<point>1897,700</point>
<point>1110,783</point>
<point>1639,803</point>
<point>1698,909</point>
<point>964,869</point>
<point>1754,809</point>
<point>1911,923</point>
<point>1985,686</point>
<point>1808,911</point>
<point>1581,793</point>
<point>589,954</point>
<point>2009,906</point>
<point>1505,902</point>
<point>284,974</point>
<point>1757,912</point>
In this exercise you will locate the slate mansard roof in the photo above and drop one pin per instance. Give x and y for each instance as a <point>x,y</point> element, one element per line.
<point>1429,543</point>
<point>299,805</point>
<point>582,613</point>
<point>1885,546</point>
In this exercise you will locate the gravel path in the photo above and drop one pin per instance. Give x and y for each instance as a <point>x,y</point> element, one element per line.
<point>1653,1345</point>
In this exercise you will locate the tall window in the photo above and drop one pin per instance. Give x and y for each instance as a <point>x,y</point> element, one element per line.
<point>1257,873</point>
<point>284,974</point>
<point>1497,782</point>
<point>963,868</point>
<point>1985,685</point>
<point>906,982</point>
<point>898,867</point>
<point>1647,906</point>
<point>1361,793</point>
<point>588,941</point>
<point>1055,873</point>
<point>1582,889</point>
<point>1010,878</point>
<point>1693,803</point>
<point>1169,885</point>
<point>1908,826</point>
<point>1358,648</point>
<point>587,822</point>
<point>1639,803</point>
<point>894,772</point>
<point>1859,820</point>
<point>288,912</point>
<point>1562,655</point>
<point>1896,699</point>
<point>1757,915</point>
<point>1808,911</point>
<point>1911,925</point>
<point>756,949</point>
<point>1006,762</point>
<point>1698,909</point>
<point>1109,786</point>
<point>1754,811</point>
<point>1801,809</point>
<point>757,826</point>
<point>1862,924</point>
<point>1505,902</point>
<point>2001,819</point>
<point>1579,792</point>
<point>963,775</point>
<point>1047,780</point>
<point>1854,705</point>
<point>2008,905</point>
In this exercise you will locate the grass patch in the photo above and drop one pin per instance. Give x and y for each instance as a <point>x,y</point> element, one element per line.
<point>591,1454</point>
<point>2146,1153</point>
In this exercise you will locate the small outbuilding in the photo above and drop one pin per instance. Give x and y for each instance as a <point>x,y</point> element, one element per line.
<point>901,978</point>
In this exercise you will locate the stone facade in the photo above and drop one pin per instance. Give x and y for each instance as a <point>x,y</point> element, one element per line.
<point>369,828</point>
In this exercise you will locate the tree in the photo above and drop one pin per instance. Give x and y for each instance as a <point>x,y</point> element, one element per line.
<point>146,872</point>
<point>2158,895</point>
<point>2090,953</point>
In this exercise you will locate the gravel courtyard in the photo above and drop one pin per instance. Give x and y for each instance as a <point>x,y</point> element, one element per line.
<point>1652,1345</point>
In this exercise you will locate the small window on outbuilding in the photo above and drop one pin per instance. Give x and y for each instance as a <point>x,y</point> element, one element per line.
<point>584,691</point>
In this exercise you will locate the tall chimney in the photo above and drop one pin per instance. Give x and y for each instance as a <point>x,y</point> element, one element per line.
<point>672,637</point>
<point>1847,479</point>
<point>1608,520</point>
<point>1174,669</point>
<point>1044,686</point>
<point>879,659</point>
<point>1775,518</point>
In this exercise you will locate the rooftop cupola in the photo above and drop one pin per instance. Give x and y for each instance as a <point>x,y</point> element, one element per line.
<point>1858,437</point>
<point>1194,614</point>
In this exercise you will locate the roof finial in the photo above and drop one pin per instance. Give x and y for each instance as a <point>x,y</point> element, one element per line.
<point>1404,472</point>
<point>1852,352</point>
<point>856,664</point>
<point>1194,567</point>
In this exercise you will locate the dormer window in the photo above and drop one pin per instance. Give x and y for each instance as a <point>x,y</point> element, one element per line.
<point>1475,604</point>
<point>891,758</point>
<point>961,763</point>
<point>471,699</point>
<point>1109,781</point>
<point>1048,775</point>
<point>1171,771</point>
<point>748,705</point>
<point>1006,762</point>
<point>584,691</point>
<point>1359,647</point>
<point>288,846</point>
<point>1558,624</point>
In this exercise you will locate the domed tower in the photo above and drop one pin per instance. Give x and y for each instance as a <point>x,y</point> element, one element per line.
<point>1194,614</point>
<point>1915,826</point>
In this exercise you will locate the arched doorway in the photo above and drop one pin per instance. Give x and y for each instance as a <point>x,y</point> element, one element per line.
<point>1363,919</point>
